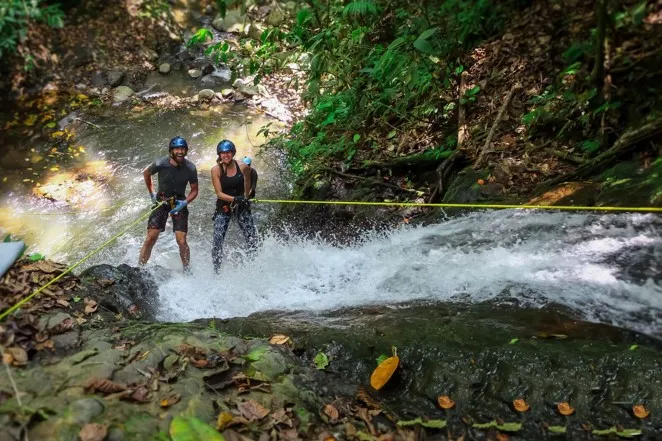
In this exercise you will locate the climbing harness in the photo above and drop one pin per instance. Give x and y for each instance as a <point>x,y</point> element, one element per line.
<point>474,206</point>
<point>77,264</point>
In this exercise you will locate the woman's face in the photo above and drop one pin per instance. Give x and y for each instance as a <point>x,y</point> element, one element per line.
<point>226,157</point>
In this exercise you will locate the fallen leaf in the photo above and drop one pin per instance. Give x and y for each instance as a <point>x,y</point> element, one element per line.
<point>252,410</point>
<point>565,409</point>
<point>640,411</point>
<point>481,182</point>
<point>93,432</point>
<point>445,402</point>
<point>62,302</point>
<point>321,360</point>
<point>19,356</point>
<point>200,363</point>
<point>90,305</point>
<point>279,339</point>
<point>104,385</point>
<point>502,436</point>
<point>384,372</point>
<point>520,405</point>
<point>140,395</point>
<point>331,412</point>
<point>224,419</point>
<point>170,400</point>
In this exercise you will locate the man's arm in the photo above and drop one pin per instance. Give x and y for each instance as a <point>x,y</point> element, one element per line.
<point>193,193</point>
<point>147,174</point>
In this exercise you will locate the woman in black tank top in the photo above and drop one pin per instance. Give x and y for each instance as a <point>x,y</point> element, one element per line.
<point>232,183</point>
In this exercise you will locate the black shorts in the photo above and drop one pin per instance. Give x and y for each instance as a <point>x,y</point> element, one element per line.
<point>157,220</point>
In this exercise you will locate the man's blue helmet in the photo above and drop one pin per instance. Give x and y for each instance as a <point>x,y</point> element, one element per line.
<point>226,146</point>
<point>177,142</point>
<point>247,160</point>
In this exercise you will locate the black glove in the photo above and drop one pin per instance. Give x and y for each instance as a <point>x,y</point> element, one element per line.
<point>240,200</point>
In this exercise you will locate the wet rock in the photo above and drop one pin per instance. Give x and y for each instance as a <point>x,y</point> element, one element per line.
<point>49,322</point>
<point>207,69</point>
<point>148,54</point>
<point>14,160</point>
<point>227,93</point>
<point>206,94</point>
<point>125,289</point>
<point>233,22</point>
<point>122,93</point>
<point>255,31</point>
<point>194,73</point>
<point>239,97</point>
<point>115,77</point>
<point>64,122</point>
<point>276,17</point>
<point>245,86</point>
<point>492,189</point>
<point>83,411</point>
<point>164,68</point>
<point>98,79</point>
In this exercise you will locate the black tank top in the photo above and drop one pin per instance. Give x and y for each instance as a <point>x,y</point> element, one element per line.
<point>232,185</point>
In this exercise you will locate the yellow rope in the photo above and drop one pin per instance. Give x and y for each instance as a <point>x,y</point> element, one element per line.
<point>478,206</point>
<point>74,266</point>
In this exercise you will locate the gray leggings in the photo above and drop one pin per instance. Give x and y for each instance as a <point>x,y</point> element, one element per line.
<point>221,224</point>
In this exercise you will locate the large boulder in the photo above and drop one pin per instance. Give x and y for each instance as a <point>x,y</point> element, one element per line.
<point>115,78</point>
<point>232,22</point>
<point>122,93</point>
<point>125,289</point>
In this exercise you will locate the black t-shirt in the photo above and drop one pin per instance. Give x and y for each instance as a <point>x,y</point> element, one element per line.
<point>173,179</point>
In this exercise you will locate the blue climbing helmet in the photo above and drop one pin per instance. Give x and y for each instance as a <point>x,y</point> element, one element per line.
<point>177,142</point>
<point>248,161</point>
<point>226,146</point>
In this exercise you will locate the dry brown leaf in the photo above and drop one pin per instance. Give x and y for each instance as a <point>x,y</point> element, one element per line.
<point>90,305</point>
<point>62,302</point>
<point>140,395</point>
<point>326,436</point>
<point>384,372</point>
<point>565,409</point>
<point>19,356</point>
<point>170,400</point>
<point>279,339</point>
<point>7,358</point>
<point>640,411</point>
<point>445,402</point>
<point>252,410</point>
<point>500,436</point>
<point>93,432</point>
<point>331,412</point>
<point>200,363</point>
<point>520,405</point>
<point>104,385</point>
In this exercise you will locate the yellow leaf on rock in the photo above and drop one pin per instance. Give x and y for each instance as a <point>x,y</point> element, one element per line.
<point>384,372</point>
<point>565,409</point>
<point>640,411</point>
<point>279,339</point>
<point>57,134</point>
<point>223,419</point>
<point>445,402</point>
<point>520,405</point>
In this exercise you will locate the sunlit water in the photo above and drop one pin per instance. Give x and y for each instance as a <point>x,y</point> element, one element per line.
<point>605,266</point>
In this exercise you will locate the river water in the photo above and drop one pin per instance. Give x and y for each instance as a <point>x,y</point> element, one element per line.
<point>606,267</point>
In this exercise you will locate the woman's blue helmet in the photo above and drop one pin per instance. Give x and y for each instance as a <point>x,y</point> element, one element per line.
<point>177,142</point>
<point>226,146</point>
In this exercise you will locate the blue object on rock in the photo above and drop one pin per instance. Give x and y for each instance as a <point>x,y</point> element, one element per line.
<point>9,253</point>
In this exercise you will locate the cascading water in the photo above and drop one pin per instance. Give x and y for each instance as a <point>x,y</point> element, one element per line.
<point>605,266</point>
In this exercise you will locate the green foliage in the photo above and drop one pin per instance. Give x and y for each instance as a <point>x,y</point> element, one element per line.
<point>360,8</point>
<point>193,429</point>
<point>200,37</point>
<point>321,360</point>
<point>16,16</point>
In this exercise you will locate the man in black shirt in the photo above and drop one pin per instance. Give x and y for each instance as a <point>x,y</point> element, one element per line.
<point>174,172</point>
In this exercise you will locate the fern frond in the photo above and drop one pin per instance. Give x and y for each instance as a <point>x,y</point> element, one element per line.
<point>360,8</point>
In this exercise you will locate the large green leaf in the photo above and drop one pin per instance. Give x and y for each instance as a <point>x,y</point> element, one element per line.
<point>192,429</point>
<point>422,43</point>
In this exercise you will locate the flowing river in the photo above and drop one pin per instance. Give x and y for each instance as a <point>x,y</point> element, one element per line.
<point>605,267</point>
